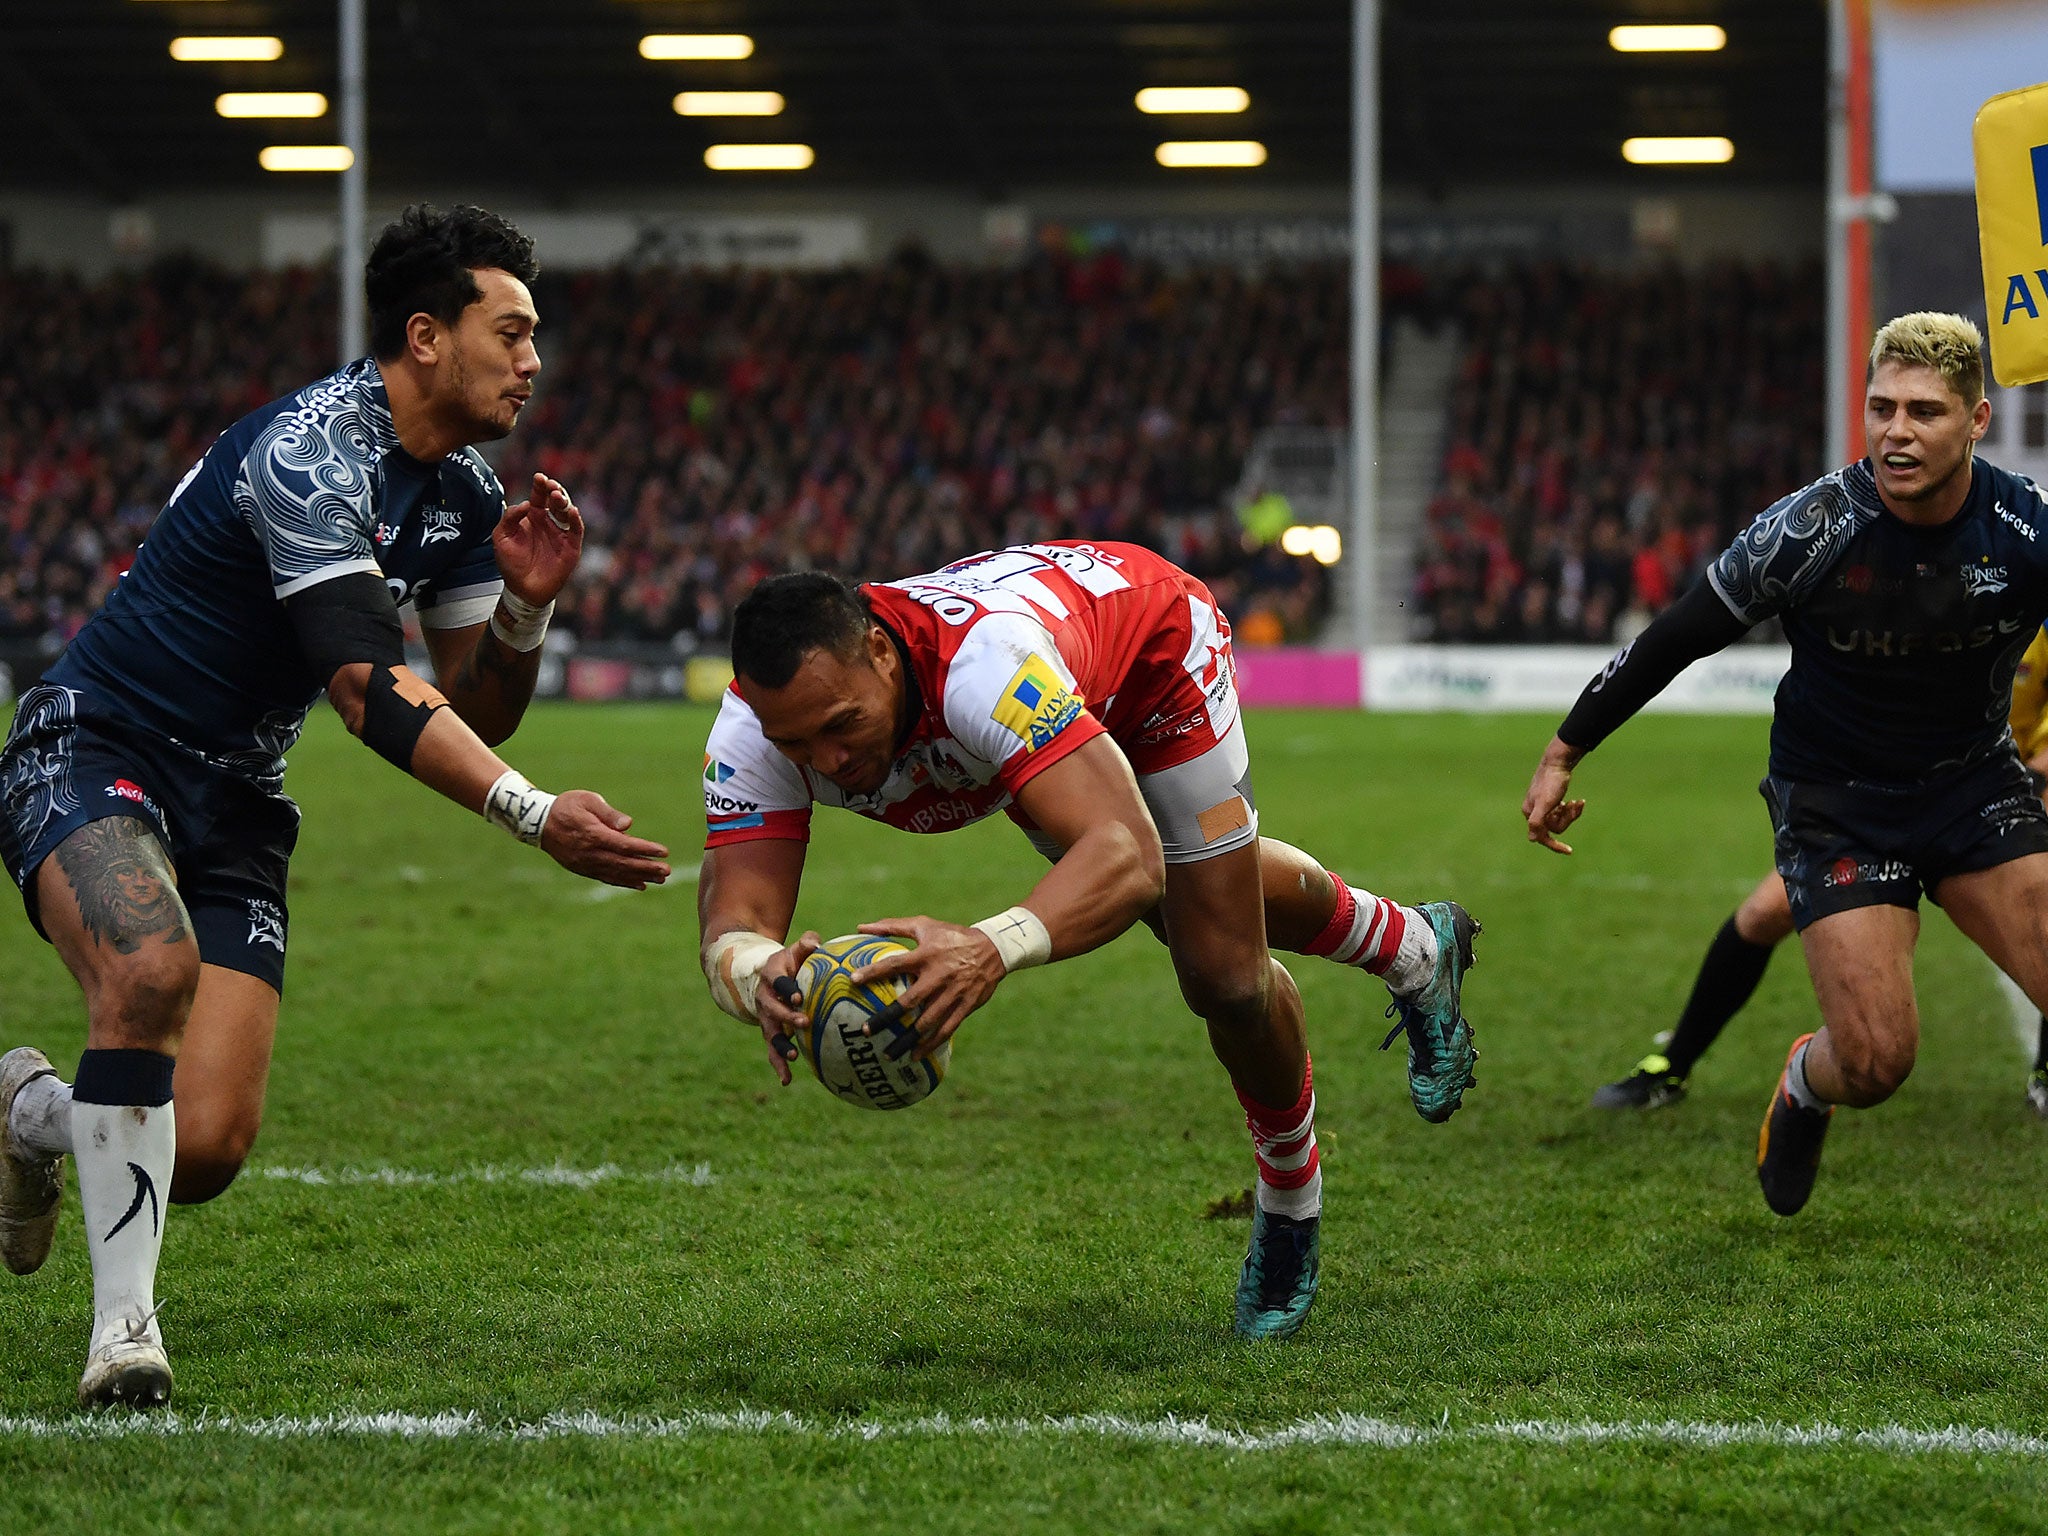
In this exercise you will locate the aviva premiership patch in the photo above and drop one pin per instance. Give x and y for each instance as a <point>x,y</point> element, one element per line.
<point>1036,705</point>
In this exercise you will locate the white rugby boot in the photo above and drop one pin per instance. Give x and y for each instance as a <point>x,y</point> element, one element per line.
<point>127,1366</point>
<point>31,1183</point>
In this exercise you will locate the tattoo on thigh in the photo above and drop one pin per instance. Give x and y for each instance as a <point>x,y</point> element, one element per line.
<point>124,887</point>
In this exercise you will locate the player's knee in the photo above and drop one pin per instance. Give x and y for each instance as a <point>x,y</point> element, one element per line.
<point>1765,916</point>
<point>1872,1068</point>
<point>199,1181</point>
<point>210,1155</point>
<point>144,1000</point>
<point>1233,1001</point>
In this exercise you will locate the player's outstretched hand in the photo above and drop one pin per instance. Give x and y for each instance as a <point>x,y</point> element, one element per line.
<point>952,972</point>
<point>1545,808</point>
<point>539,542</point>
<point>780,1005</point>
<point>588,837</point>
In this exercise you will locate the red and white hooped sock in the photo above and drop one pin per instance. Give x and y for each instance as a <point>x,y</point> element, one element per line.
<point>1378,936</point>
<point>1284,1143</point>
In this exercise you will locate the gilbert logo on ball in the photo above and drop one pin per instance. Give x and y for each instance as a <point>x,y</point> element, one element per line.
<point>2012,229</point>
<point>854,1065</point>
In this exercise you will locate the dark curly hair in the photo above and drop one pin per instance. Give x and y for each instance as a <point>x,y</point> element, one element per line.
<point>425,261</point>
<point>785,618</point>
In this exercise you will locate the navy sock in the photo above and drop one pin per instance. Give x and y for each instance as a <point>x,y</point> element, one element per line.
<point>1728,978</point>
<point>123,1077</point>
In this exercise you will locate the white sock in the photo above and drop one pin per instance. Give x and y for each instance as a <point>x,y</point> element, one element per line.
<point>1299,1204</point>
<point>1415,961</point>
<point>1796,1086</point>
<point>125,1153</point>
<point>1380,937</point>
<point>40,1120</point>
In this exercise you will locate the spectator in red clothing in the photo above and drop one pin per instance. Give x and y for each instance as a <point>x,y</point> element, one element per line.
<point>1606,432</point>
<point>910,413</point>
<point>1651,578</point>
<point>717,426</point>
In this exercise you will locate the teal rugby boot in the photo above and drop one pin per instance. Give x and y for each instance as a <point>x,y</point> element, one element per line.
<point>1278,1283</point>
<point>1440,1050</point>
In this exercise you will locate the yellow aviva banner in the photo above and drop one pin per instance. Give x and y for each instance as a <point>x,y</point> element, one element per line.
<point>2012,230</point>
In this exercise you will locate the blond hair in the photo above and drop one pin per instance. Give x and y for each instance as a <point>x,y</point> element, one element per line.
<point>1949,344</point>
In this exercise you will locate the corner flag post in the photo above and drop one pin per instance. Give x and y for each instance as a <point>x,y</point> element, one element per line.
<point>1850,202</point>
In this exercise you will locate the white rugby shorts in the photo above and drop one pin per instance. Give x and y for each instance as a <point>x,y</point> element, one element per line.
<point>1203,807</point>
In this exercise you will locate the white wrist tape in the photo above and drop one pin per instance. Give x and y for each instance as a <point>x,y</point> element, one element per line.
<point>733,967</point>
<point>518,807</point>
<point>1020,938</point>
<point>529,624</point>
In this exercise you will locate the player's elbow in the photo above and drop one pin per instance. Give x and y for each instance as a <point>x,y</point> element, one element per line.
<point>349,692</point>
<point>1141,869</point>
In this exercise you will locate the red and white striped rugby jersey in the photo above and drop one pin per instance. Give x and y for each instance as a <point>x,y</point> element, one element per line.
<point>1020,656</point>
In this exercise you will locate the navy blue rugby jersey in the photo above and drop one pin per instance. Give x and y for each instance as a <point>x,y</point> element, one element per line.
<point>194,643</point>
<point>1904,640</point>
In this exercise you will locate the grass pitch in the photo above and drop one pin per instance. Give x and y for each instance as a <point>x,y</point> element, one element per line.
<point>517,1167</point>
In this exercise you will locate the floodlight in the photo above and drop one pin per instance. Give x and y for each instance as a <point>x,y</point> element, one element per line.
<point>222,50</point>
<point>270,104</point>
<point>1193,98</point>
<point>759,157</point>
<point>696,45</point>
<point>1322,542</point>
<point>306,157</point>
<point>728,103</point>
<point>1640,39</point>
<point>1183,153</point>
<point>1696,151</point>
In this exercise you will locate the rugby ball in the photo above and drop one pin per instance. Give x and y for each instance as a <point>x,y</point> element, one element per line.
<point>853,1065</point>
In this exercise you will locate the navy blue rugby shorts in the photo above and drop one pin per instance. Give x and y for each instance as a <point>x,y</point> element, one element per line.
<point>1840,847</point>
<point>65,765</point>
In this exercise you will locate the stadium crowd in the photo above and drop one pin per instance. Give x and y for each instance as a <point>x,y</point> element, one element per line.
<point>884,420</point>
<point>1607,435</point>
<point>717,426</point>
<point>111,391</point>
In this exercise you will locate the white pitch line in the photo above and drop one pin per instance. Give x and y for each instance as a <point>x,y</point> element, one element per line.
<point>557,1174</point>
<point>1344,1431</point>
<point>685,875</point>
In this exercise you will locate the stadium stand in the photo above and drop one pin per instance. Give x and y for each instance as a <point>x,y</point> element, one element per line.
<point>1607,433</point>
<point>716,426</point>
<point>111,391</point>
<point>886,419</point>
